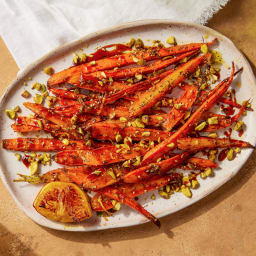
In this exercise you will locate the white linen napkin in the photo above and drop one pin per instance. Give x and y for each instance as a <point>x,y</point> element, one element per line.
<point>31,28</point>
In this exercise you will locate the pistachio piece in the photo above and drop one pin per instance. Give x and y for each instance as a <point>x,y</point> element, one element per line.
<point>25,94</point>
<point>49,71</point>
<point>171,40</point>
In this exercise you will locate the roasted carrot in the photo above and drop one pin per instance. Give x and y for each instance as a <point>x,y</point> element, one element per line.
<point>116,194</point>
<point>42,144</point>
<point>130,72</point>
<point>159,90</point>
<point>136,189</point>
<point>99,156</point>
<point>170,143</point>
<point>183,104</point>
<point>48,114</point>
<point>150,170</point>
<point>85,176</point>
<point>202,163</point>
<point>202,143</point>
<point>74,73</point>
<point>107,130</point>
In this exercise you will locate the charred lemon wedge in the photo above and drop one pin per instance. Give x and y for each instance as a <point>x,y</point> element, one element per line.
<point>63,202</point>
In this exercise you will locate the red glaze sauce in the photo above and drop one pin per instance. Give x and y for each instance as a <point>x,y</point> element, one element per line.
<point>25,161</point>
<point>223,154</point>
<point>228,133</point>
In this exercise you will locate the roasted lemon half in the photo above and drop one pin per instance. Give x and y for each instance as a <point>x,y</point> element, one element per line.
<point>63,202</point>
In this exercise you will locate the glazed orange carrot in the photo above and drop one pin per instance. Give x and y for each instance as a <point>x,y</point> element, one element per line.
<point>201,163</point>
<point>159,90</point>
<point>183,104</point>
<point>99,156</point>
<point>135,87</point>
<point>171,143</point>
<point>136,189</point>
<point>85,176</point>
<point>107,130</point>
<point>41,144</point>
<point>67,94</point>
<point>129,72</point>
<point>202,143</point>
<point>73,75</point>
<point>146,172</point>
<point>48,114</point>
<point>116,194</point>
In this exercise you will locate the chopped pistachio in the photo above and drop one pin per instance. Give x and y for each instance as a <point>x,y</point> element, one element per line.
<point>239,125</point>
<point>135,60</point>
<point>187,192</point>
<point>203,175</point>
<point>25,83</point>
<point>194,184</point>
<point>159,118</point>
<point>50,100</point>
<point>65,142</point>
<point>42,88</point>
<point>138,76</point>
<point>187,115</point>
<point>159,160</point>
<point>46,158</point>
<point>168,188</point>
<point>144,119</point>
<point>123,119</point>
<point>139,43</point>
<point>49,71</point>
<point>25,94</point>
<point>117,206</point>
<point>127,139</point>
<point>171,145</point>
<point>171,40</point>
<point>145,134</point>
<point>76,58</point>
<point>131,43</point>
<point>201,126</point>
<point>33,168</point>
<point>17,109</point>
<point>40,124</point>
<point>237,150</point>
<point>96,172</point>
<point>30,179</point>
<point>126,163</point>
<point>213,120</point>
<point>118,138</point>
<point>139,123</point>
<point>92,63</point>
<point>208,172</point>
<point>230,154</point>
<point>203,86</point>
<point>153,197</point>
<point>88,143</point>
<point>83,57</point>
<point>164,194</point>
<point>204,48</point>
<point>38,99</point>
<point>178,105</point>
<point>186,181</point>
<point>36,86</point>
<point>197,73</point>
<point>170,101</point>
<point>213,135</point>
<point>18,156</point>
<point>10,113</point>
<point>137,162</point>
<point>141,62</point>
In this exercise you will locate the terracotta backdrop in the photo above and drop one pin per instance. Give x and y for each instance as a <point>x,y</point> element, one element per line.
<point>224,223</point>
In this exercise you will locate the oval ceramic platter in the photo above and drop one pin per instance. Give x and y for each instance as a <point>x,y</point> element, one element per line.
<point>24,194</point>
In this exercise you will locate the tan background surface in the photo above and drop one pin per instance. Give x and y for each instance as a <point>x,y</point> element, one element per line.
<point>224,223</point>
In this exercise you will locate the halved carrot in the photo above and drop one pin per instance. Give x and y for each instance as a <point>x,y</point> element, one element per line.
<point>202,143</point>
<point>136,189</point>
<point>129,72</point>
<point>42,144</point>
<point>150,170</point>
<point>119,61</point>
<point>201,163</point>
<point>159,90</point>
<point>183,104</point>
<point>85,176</point>
<point>171,143</point>
<point>99,156</point>
<point>107,130</point>
<point>117,195</point>
<point>48,114</point>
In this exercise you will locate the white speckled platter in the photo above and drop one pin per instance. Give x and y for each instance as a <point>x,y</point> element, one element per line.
<point>60,58</point>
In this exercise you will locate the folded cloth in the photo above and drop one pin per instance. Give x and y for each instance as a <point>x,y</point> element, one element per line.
<point>32,28</point>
